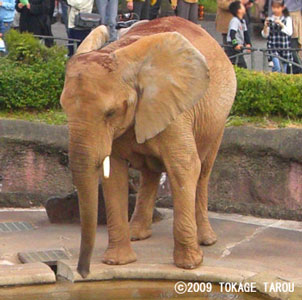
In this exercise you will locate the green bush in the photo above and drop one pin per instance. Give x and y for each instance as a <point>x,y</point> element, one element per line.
<point>32,75</point>
<point>27,49</point>
<point>267,94</point>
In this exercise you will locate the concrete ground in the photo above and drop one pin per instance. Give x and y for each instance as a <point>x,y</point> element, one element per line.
<point>246,247</point>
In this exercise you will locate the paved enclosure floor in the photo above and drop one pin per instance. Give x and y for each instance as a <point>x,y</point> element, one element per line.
<point>244,243</point>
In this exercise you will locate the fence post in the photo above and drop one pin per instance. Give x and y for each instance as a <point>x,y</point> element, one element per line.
<point>75,47</point>
<point>252,60</point>
<point>264,60</point>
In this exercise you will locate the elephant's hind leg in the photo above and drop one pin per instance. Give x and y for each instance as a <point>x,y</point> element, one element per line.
<point>206,235</point>
<point>183,167</point>
<point>115,189</point>
<point>141,220</point>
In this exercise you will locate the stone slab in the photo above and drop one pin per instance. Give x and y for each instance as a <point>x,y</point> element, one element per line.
<point>35,132</point>
<point>26,274</point>
<point>100,271</point>
<point>267,283</point>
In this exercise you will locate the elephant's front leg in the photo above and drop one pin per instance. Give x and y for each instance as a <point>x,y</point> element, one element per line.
<point>141,220</point>
<point>183,171</point>
<point>115,189</point>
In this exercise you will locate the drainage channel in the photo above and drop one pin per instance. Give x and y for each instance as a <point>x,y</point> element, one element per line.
<point>15,227</point>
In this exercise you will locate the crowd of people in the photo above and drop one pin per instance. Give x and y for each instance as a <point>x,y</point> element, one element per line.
<point>282,26</point>
<point>282,29</point>
<point>36,15</point>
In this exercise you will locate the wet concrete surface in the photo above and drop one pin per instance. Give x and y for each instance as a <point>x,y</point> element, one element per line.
<point>122,290</point>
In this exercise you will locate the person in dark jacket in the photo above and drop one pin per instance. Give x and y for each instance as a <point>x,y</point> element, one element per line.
<point>34,18</point>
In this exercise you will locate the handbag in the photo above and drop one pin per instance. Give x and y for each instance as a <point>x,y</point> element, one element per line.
<point>87,20</point>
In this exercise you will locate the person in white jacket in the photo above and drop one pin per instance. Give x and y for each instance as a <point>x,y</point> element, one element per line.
<point>278,29</point>
<point>77,6</point>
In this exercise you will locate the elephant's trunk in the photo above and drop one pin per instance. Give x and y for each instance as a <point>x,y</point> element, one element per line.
<point>87,186</point>
<point>85,161</point>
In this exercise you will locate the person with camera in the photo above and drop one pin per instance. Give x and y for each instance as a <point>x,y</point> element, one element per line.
<point>238,36</point>
<point>278,29</point>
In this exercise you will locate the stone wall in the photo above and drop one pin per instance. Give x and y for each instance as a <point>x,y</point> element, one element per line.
<point>257,171</point>
<point>33,163</point>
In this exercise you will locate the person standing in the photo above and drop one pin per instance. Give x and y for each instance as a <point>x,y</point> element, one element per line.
<point>34,18</point>
<point>64,7</point>
<point>139,7</point>
<point>108,11</point>
<point>223,16</point>
<point>278,30</point>
<point>238,35</point>
<point>295,11</point>
<point>76,7</point>
<point>154,9</point>
<point>187,9</point>
<point>7,13</point>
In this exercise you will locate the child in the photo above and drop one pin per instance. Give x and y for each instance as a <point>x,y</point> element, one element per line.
<point>238,36</point>
<point>2,46</point>
<point>278,29</point>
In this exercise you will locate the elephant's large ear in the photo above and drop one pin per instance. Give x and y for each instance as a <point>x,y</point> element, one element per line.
<point>171,76</point>
<point>94,41</point>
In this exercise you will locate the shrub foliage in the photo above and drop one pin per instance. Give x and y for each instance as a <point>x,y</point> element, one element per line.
<point>32,77</point>
<point>268,94</point>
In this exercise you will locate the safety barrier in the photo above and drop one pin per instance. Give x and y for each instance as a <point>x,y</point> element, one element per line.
<point>265,56</point>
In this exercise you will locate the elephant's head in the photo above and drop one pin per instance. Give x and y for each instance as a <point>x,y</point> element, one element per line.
<point>144,85</point>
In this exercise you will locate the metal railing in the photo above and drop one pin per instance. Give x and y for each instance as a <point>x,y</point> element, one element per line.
<point>69,42</point>
<point>246,52</point>
<point>265,55</point>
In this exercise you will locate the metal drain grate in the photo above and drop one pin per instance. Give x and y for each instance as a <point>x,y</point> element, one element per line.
<point>50,257</point>
<point>15,226</point>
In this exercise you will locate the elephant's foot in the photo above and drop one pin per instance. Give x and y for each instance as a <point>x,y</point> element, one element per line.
<point>119,255</point>
<point>207,236</point>
<point>139,231</point>
<point>187,257</point>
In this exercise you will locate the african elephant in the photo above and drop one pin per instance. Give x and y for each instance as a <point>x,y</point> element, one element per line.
<point>156,100</point>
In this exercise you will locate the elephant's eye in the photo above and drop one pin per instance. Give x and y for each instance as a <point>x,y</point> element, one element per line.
<point>110,113</point>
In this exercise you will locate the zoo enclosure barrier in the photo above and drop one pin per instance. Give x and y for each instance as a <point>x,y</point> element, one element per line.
<point>251,52</point>
<point>65,41</point>
<point>265,55</point>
